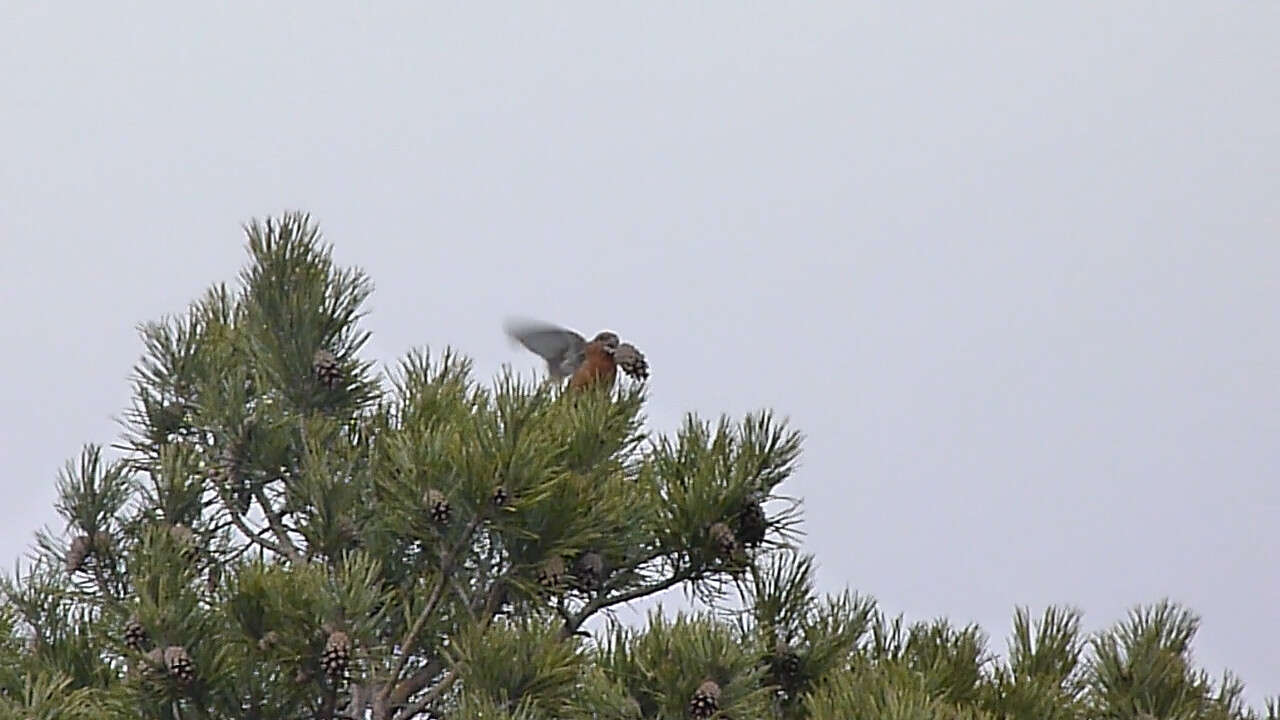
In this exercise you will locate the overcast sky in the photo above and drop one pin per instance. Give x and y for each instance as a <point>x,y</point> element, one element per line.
<point>1011,267</point>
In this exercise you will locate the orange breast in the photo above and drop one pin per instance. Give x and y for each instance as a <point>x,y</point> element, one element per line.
<point>597,366</point>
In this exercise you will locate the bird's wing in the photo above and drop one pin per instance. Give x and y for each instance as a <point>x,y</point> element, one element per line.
<point>561,348</point>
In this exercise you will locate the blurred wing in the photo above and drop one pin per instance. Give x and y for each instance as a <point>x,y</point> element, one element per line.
<point>561,348</point>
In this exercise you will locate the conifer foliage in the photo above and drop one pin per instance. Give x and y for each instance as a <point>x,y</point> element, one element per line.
<point>284,533</point>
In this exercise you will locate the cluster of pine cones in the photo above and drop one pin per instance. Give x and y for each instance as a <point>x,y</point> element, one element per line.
<point>83,546</point>
<point>174,661</point>
<point>746,529</point>
<point>587,574</point>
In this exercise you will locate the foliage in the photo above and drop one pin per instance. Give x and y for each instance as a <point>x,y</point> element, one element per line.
<point>283,533</point>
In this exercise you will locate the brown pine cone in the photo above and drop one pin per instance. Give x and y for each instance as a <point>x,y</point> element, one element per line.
<point>588,571</point>
<point>751,522</point>
<point>78,553</point>
<point>437,506</point>
<point>179,664</point>
<point>631,361</point>
<point>551,574</point>
<point>726,543</point>
<point>135,636</point>
<point>336,656</point>
<point>706,700</point>
<point>325,366</point>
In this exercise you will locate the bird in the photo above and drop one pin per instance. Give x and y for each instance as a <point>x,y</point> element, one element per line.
<point>569,354</point>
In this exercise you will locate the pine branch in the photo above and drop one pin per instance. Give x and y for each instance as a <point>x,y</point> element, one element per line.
<point>419,680</point>
<point>255,537</point>
<point>102,580</point>
<point>601,602</point>
<point>285,544</point>
<point>446,566</point>
<point>422,703</point>
<point>330,705</point>
<point>416,682</point>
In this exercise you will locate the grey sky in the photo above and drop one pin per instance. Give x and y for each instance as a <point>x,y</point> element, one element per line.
<point>1011,266</point>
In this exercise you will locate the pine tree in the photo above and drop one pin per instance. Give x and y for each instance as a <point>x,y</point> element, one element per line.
<point>283,533</point>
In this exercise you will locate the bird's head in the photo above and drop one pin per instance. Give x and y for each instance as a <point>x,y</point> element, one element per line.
<point>608,341</point>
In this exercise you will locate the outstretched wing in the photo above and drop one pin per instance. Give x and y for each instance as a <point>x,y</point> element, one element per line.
<point>561,348</point>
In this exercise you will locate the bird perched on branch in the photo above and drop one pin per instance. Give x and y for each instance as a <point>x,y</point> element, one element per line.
<point>570,355</point>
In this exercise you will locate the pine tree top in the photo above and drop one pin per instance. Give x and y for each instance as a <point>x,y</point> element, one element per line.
<point>283,532</point>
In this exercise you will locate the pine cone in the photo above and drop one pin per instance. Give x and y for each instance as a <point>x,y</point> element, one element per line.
<point>336,656</point>
<point>631,361</point>
<point>348,533</point>
<point>269,640</point>
<point>786,662</point>
<point>551,574</point>
<point>78,553</point>
<point>588,571</point>
<point>135,636</point>
<point>228,476</point>
<point>723,538</point>
<point>500,496</point>
<point>325,366</point>
<point>706,700</point>
<point>154,665</point>
<point>437,505</point>
<point>751,522</point>
<point>167,419</point>
<point>178,663</point>
<point>185,538</point>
